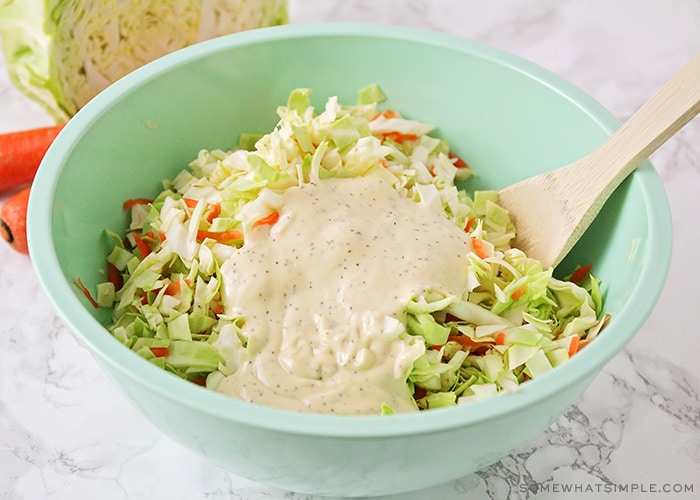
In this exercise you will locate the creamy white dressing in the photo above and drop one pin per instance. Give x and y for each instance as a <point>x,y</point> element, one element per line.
<point>321,292</point>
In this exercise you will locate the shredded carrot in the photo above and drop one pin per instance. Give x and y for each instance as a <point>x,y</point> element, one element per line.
<point>135,201</point>
<point>222,237</point>
<point>87,293</point>
<point>574,345</point>
<point>400,138</point>
<point>519,292</point>
<point>466,341</point>
<point>173,288</point>
<point>114,276</point>
<point>159,352</point>
<point>580,273</point>
<point>269,219</point>
<point>501,338</point>
<point>142,246</point>
<point>470,224</point>
<point>218,308</point>
<point>479,248</point>
<point>474,347</point>
<point>150,236</point>
<point>389,113</point>
<point>190,202</point>
<point>459,163</point>
<point>214,212</point>
<point>583,343</point>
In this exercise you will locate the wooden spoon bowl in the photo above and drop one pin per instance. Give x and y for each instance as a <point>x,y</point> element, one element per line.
<point>552,210</point>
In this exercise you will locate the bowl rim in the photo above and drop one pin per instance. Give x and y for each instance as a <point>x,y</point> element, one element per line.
<point>92,335</point>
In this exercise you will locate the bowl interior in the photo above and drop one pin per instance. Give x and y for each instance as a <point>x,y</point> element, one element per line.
<point>507,118</point>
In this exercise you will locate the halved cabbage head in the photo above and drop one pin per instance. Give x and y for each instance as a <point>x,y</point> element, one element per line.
<point>61,53</point>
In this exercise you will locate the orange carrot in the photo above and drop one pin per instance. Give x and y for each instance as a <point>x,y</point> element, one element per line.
<point>159,352</point>
<point>135,201</point>
<point>501,338</point>
<point>573,345</point>
<point>466,341</point>
<point>389,113</point>
<point>213,209</point>
<point>459,163</point>
<point>223,237</point>
<point>13,221</point>
<point>22,152</point>
<point>87,293</point>
<point>400,138</point>
<point>519,292</point>
<point>173,288</point>
<point>142,246</point>
<point>269,219</point>
<point>580,273</point>
<point>114,276</point>
<point>479,248</point>
<point>582,344</point>
<point>470,224</point>
<point>474,347</point>
<point>214,212</point>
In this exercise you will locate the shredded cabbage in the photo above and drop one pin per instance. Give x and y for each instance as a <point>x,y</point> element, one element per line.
<point>62,53</point>
<point>513,322</point>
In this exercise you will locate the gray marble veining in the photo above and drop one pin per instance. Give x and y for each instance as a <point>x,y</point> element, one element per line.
<point>66,433</point>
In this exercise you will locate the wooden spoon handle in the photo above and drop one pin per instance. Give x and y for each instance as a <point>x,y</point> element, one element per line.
<point>674,105</point>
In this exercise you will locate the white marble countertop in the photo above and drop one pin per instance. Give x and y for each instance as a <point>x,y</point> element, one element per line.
<point>66,433</point>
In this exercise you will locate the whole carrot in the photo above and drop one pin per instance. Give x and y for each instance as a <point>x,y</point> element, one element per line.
<point>22,152</point>
<point>13,221</point>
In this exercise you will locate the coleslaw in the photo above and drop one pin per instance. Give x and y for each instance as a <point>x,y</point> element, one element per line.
<point>513,322</point>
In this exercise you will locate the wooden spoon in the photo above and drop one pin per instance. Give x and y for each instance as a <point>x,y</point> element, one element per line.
<point>552,210</point>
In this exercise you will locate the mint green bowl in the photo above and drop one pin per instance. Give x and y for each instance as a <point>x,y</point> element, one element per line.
<point>506,117</point>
